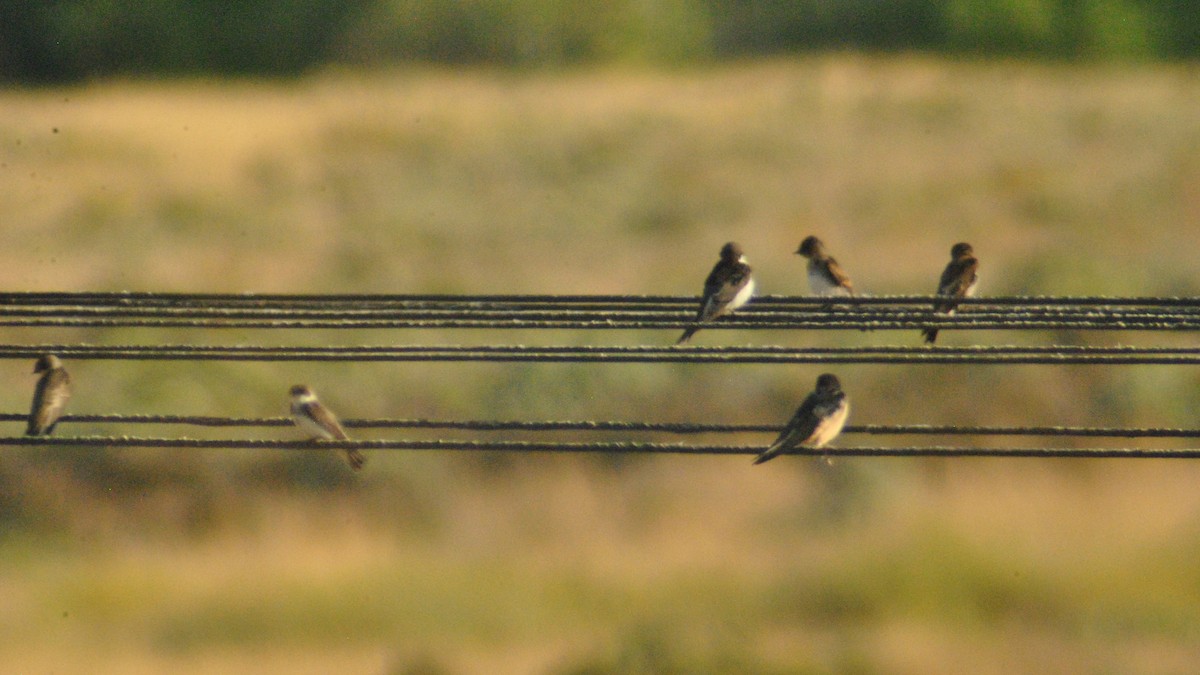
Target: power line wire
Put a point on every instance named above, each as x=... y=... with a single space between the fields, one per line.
x=597 y=447
x=629 y=426
x=540 y=312
x=750 y=321
x=584 y=312
x=1002 y=354
x=136 y=298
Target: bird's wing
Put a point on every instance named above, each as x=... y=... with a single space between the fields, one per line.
x=721 y=287
x=50 y=399
x=839 y=277
x=800 y=428
x=835 y=274
x=956 y=280
x=326 y=419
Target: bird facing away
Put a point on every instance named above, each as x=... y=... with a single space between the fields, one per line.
x=958 y=281
x=728 y=287
x=50 y=397
x=319 y=422
x=825 y=277
x=817 y=421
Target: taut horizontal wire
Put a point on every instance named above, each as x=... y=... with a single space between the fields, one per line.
x=747 y=321
x=1004 y=354
x=147 y=298
x=596 y=447
x=634 y=426
x=775 y=304
x=586 y=312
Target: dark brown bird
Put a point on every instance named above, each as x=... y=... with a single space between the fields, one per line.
x=314 y=418
x=958 y=281
x=50 y=397
x=817 y=421
x=728 y=287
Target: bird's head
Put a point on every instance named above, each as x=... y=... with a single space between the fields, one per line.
x=810 y=247
x=46 y=362
x=961 y=249
x=828 y=383
x=731 y=252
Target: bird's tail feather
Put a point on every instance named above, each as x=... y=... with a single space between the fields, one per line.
x=355 y=458
x=687 y=335
x=769 y=454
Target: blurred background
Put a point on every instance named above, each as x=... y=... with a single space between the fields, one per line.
x=546 y=146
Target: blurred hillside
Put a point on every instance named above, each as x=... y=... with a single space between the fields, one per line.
x=1068 y=179
x=79 y=39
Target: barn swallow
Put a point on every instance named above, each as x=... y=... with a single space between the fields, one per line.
x=50 y=397
x=728 y=287
x=958 y=281
x=315 y=419
x=817 y=421
x=825 y=276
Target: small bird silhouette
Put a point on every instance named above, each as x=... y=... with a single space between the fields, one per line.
x=728 y=287
x=825 y=276
x=314 y=418
x=958 y=281
x=817 y=421
x=50 y=397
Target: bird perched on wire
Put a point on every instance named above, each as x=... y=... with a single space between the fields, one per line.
x=825 y=277
x=314 y=418
x=817 y=421
x=728 y=287
x=958 y=281
x=50 y=397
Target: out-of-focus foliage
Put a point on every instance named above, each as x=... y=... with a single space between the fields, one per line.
x=528 y=31
x=74 y=39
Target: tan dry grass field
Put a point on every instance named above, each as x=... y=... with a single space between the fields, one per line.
x=1068 y=180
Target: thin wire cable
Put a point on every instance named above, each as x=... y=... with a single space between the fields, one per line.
x=750 y=321
x=147 y=298
x=358 y=311
x=683 y=428
x=334 y=302
x=1004 y=354
x=624 y=447
x=586 y=312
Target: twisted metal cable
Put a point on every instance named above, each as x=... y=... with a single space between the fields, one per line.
x=596 y=447
x=682 y=428
x=358 y=311
x=749 y=321
x=1004 y=354
x=584 y=312
x=150 y=298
